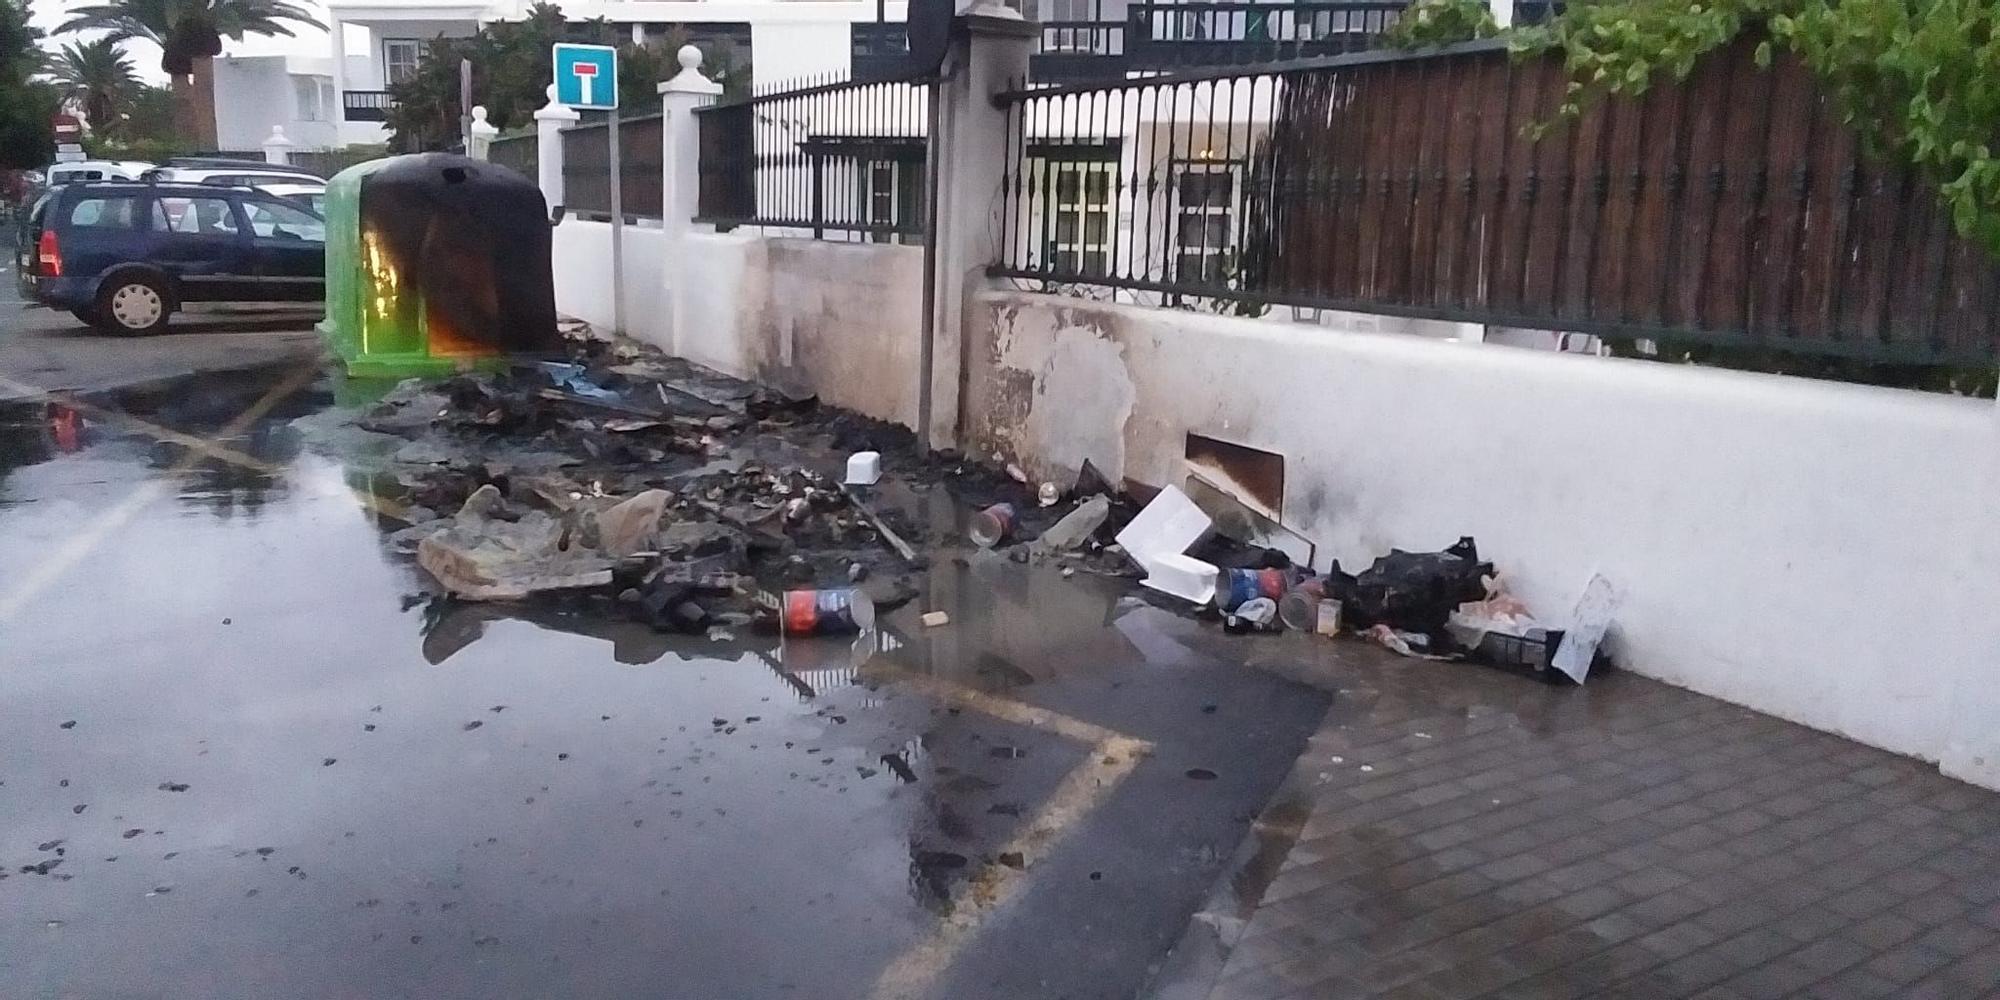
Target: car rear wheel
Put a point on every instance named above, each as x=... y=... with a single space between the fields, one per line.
x=133 y=305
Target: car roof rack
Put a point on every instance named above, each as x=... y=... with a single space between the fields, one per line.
x=227 y=163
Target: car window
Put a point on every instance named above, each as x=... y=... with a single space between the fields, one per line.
x=192 y=215
x=114 y=212
x=282 y=221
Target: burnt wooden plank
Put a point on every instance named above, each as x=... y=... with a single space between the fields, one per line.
x=1541 y=260
x=1482 y=201
x=1456 y=163
x=1509 y=246
x=1825 y=225
x=1427 y=200
x=1620 y=166
x=1586 y=207
x=1652 y=222
x=1728 y=268
x=1704 y=117
x=1779 y=226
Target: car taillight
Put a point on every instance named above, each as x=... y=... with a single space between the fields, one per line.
x=50 y=255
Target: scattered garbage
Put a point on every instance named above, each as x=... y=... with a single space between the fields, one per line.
x=864 y=468
x=1299 y=608
x=1158 y=540
x=1259 y=614
x=823 y=612
x=1327 y=620
x=992 y=526
x=933 y=619
x=1076 y=527
x=1413 y=644
x=1588 y=624
x=632 y=525
x=1235 y=587
x=1048 y=495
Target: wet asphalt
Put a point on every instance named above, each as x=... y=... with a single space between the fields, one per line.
x=248 y=754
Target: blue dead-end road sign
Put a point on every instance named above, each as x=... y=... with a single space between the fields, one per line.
x=587 y=76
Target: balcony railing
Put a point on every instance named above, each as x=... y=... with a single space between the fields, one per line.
x=366 y=105
x=878 y=50
x=1158 y=35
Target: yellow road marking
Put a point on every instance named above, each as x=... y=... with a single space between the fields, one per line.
x=1112 y=756
x=47 y=571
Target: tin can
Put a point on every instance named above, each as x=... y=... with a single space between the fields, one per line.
x=991 y=526
x=818 y=612
x=1328 y=623
x=1234 y=586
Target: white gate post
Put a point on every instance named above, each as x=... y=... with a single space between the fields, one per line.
x=277 y=148
x=479 y=145
x=549 y=123
x=680 y=176
x=985 y=58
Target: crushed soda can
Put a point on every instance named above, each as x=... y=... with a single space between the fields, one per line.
x=820 y=612
x=992 y=526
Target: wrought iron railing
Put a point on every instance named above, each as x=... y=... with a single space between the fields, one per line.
x=1162 y=35
x=836 y=158
x=366 y=105
x=1732 y=209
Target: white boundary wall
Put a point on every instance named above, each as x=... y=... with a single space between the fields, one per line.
x=1814 y=550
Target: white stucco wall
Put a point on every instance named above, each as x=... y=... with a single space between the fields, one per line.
x=838 y=319
x=1815 y=550
x=786 y=51
x=582 y=257
x=253 y=93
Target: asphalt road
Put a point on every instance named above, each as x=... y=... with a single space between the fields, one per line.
x=45 y=349
x=250 y=755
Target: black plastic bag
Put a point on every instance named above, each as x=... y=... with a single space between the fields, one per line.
x=1411 y=591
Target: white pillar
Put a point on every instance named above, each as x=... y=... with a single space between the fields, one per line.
x=338 y=113
x=480 y=144
x=277 y=148
x=987 y=57
x=680 y=175
x=549 y=123
x=1503 y=11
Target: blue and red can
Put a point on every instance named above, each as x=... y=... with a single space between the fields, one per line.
x=819 y=612
x=1234 y=586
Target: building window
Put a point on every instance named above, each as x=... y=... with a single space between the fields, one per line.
x=1078 y=238
x=399 y=59
x=1085 y=30
x=311 y=101
x=1204 y=222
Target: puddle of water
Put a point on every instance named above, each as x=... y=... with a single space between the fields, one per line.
x=751 y=816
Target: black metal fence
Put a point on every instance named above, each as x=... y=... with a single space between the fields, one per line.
x=521 y=153
x=1733 y=208
x=836 y=158
x=587 y=167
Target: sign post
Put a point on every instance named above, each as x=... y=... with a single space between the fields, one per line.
x=587 y=80
x=69 y=138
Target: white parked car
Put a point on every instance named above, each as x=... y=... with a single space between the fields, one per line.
x=312 y=195
x=97 y=170
x=230 y=173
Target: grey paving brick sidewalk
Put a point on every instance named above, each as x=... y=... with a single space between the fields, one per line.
x=1474 y=834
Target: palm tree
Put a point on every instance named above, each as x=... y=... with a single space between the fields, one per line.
x=189 y=34
x=96 y=75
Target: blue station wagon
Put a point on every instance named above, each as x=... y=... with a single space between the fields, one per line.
x=123 y=256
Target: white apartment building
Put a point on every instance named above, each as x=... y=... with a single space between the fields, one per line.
x=783 y=40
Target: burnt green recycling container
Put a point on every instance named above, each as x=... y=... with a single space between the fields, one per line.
x=436 y=262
